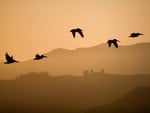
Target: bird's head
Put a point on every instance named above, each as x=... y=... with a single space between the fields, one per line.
x=79 y=29
x=116 y=40
x=44 y=56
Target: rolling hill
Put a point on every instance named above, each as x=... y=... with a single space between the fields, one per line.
x=129 y=59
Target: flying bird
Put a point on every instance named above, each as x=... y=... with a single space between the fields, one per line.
x=133 y=35
x=114 y=42
x=39 y=57
x=9 y=59
x=77 y=30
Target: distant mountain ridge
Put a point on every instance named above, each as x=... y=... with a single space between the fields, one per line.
x=130 y=59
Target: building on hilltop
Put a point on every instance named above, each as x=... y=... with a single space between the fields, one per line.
x=91 y=72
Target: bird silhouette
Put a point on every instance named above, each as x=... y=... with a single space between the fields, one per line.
x=39 y=57
x=133 y=35
x=9 y=59
x=78 y=30
x=114 y=42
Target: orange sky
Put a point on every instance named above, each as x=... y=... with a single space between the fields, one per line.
x=28 y=27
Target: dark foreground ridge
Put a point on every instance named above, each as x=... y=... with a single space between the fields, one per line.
x=41 y=93
x=136 y=101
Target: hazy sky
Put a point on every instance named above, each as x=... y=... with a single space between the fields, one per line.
x=28 y=27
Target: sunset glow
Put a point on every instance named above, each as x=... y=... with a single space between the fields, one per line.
x=39 y=26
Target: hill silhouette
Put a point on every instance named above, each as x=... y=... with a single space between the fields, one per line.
x=42 y=93
x=129 y=59
x=136 y=101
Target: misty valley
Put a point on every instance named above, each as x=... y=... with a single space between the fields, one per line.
x=94 y=92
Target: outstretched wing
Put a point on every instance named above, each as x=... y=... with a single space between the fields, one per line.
x=8 y=58
x=81 y=33
x=109 y=42
x=115 y=44
x=73 y=33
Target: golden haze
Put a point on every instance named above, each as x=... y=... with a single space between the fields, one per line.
x=38 y=26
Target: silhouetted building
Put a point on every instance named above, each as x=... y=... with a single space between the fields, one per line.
x=92 y=73
x=34 y=76
x=102 y=71
x=86 y=72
